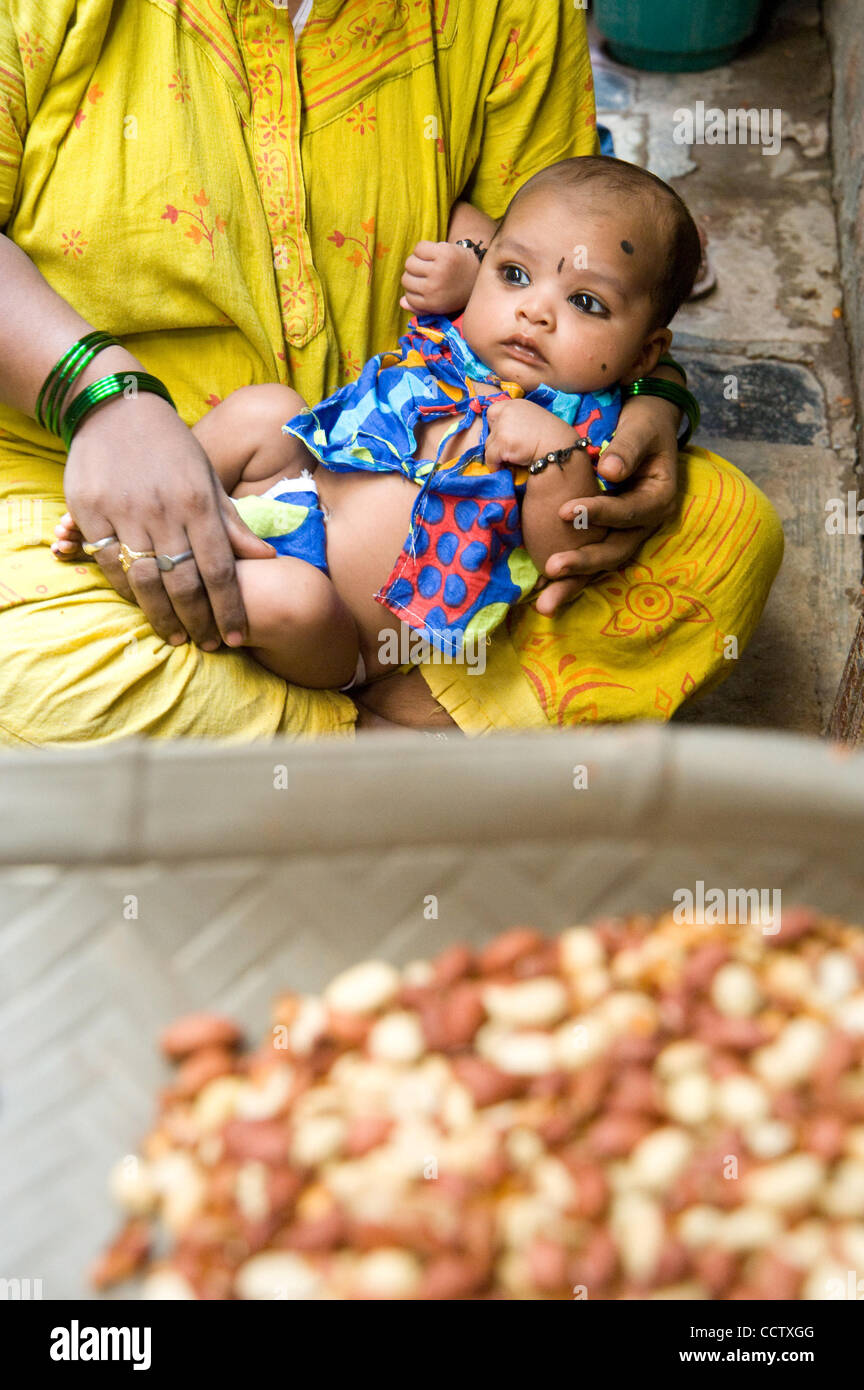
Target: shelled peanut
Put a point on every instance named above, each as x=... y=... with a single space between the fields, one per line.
x=634 y=1109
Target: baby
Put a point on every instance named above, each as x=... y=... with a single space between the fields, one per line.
x=433 y=441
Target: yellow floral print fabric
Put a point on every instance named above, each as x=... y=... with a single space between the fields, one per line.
x=237 y=206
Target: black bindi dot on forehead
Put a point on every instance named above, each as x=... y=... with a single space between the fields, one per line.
x=602 y=366
x=627 y=246
x=560 y=263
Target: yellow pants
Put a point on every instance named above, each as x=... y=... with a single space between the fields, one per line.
x=79 y=664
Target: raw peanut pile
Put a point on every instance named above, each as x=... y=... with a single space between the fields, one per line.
x=634 y=1109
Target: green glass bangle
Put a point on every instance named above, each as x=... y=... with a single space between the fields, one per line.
x=59 y=370
x=668 y=391
x=56 y=385
x=105 y=389
x=54 y=409
x=667 y=361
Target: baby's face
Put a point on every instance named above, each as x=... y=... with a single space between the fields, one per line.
x=571 y=274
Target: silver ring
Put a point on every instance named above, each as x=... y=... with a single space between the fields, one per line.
x=93 y=547
x=168 y=562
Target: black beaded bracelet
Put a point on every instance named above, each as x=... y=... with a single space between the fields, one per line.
x=476 y=246
x=556 y=456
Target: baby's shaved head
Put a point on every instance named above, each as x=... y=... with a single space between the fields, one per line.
x=674 y=224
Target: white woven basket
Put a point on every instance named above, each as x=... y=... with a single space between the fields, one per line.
x=141 y=881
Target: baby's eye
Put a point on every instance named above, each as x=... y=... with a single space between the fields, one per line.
x=511 y=273
x=587 y=304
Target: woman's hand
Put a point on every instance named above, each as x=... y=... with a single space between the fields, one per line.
x=137 y=472
x=438 y=278
x=644 y=449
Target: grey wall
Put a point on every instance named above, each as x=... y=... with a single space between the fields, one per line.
x=844 y=23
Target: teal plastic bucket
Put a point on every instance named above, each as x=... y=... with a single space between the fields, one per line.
x=676 y=35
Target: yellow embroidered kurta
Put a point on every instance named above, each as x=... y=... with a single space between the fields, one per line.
x=238 y=208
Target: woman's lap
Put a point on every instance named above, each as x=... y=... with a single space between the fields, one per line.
x=639 y=642
x=79 y=664
x=89 y=669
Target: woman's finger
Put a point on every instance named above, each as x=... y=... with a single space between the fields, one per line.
x=560 y=591
x=214 y=559
x=244 y=543
x=642 y=505
x=95 y=526
x=632 y=449
x=609 y=554
x=144 y=583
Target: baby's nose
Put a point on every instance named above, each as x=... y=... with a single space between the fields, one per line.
x=538 y=309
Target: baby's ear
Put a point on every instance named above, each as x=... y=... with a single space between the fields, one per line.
x=658 y=341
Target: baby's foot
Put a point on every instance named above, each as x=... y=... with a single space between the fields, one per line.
x=69 y=537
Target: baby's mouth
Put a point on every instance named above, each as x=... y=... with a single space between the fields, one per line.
x=524 y=350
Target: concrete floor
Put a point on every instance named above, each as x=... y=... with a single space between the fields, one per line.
x=775 y=324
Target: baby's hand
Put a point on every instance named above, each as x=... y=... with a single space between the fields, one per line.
x=520 y=431
x=69 y=539
x=439 y=277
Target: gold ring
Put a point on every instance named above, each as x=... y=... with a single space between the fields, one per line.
x=128 y=557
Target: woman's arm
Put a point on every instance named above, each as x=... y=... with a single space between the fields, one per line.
x=644 y=449
x=134 y=471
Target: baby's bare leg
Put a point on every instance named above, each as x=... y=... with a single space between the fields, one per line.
x=298 y=625
x=242 y=437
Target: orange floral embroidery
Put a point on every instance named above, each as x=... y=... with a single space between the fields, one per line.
x=663 y=701
x=651 y=606
x=275 y=108
x=199 y=231
x=94 y=94
x=509 y=173
x=511 y=63
x=567 y=692
x=74 y=243
x=349 y=365
x=362 y=118
x=293 y=296
x=330 y=47
x=273 y=127
x=366 y=30
x=180 y=87
x=280 y=213
x=384 y=31
x=268 y=43
x=270 y=167
x=261 y=82
x=32 y=48
x=362 y=252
